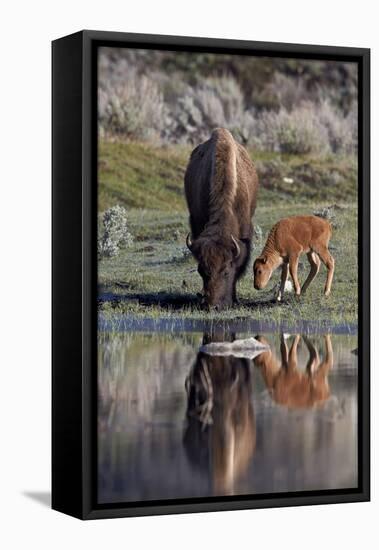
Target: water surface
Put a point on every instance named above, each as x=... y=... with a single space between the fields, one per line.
x=174 y=422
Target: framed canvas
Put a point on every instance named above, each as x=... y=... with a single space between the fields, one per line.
x=211 y=288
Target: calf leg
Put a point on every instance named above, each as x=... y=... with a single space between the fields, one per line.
x=327 y=363
x=283 y=281
x=314 y=359
x=328 y=260
x=314 y=260
x=283 y=351
x=293 y=264
x=320 y=378
x=292 y=358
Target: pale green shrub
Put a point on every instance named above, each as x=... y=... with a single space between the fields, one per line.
x=297 y=131
x=300 y=116
x=342 y=131
x=113 y=232
x=285 y=91
x=216 y=102
x=134 y=109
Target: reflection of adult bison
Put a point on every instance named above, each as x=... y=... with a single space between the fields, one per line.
x=220 y=186
x=220 y=435
x=288 y=385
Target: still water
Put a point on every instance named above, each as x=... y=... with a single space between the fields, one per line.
x=175 y=422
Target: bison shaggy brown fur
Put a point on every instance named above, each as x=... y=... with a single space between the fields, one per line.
x=220 y=187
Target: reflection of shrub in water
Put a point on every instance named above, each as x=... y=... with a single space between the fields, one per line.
x=130 y=375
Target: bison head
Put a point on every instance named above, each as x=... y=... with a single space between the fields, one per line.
x=262 y=272
x=219 y=259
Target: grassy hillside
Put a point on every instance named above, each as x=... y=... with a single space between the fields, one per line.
x=137 y=175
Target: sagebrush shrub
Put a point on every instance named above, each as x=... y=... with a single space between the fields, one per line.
x=134 y=109
x=113 y=232
x=215 y=102
x=162 y=106
x=327 y=212
x=286 y=91
x=342 y=131
x=298 y=131
x=257 y=235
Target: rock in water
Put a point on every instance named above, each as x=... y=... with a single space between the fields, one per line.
x=247 y=348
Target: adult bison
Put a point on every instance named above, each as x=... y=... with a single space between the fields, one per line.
x=221 y=187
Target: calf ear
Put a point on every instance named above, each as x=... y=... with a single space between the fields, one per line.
x=263 y=259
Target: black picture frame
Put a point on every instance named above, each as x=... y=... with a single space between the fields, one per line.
x=74 y=314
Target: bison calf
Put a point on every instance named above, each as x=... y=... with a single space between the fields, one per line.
x=289 y=238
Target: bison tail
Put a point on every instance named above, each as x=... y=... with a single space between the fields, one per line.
x=224 y=172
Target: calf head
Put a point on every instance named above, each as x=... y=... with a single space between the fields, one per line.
x=262 y=272
x=219 y=259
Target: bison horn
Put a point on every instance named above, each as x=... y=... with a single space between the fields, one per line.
x=238 y=249
x=189 y=241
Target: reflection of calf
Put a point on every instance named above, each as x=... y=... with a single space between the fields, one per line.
x=220 y=435
x=291 y=387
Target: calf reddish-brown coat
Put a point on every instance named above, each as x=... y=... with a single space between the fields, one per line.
x=220 y=186
x=292 y=387
x=287 y=240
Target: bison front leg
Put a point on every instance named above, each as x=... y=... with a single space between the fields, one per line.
x=283 y=281
x=234 y=293
x=314 y=262
x=293 y=265
x=328 y=260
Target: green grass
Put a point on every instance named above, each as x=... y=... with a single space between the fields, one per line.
x=137 y=175
x=156 y=277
